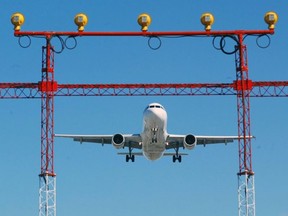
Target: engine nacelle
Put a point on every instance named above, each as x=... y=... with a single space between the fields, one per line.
x=190 y=141
x=118 y=141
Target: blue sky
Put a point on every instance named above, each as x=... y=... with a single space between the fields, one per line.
x=94 y=180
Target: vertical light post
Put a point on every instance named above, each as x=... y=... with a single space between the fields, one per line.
x=246 y=189
x=47 y=177
x=246 y=186
x=47 y=87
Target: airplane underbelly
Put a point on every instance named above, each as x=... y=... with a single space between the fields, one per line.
x=153 y=155
x=153 y=151
x=154 y=135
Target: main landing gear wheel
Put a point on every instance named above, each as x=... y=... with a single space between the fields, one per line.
x=175 y=158
x=132 y=158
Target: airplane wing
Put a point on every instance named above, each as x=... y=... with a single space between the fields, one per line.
x=131 y=140
x=175 y=141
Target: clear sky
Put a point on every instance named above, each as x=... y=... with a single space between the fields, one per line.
x=94 y=180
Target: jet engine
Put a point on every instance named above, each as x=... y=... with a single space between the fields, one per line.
x=190 y=141
x=118 y=141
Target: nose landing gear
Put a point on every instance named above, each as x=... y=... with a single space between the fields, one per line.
x=154 y=135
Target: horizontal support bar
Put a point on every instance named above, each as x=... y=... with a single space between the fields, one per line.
x=145 y=33
x=256 y=89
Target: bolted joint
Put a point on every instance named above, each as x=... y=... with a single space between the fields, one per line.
x=50 y=86
x=46 y=173
x=246 y=172
x=243 y=85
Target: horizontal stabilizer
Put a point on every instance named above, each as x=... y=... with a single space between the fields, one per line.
x=133 y=153
x=171 y=154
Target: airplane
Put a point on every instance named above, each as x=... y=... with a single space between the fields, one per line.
x=154 y=139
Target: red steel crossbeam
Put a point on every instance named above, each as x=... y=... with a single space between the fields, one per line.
x=147 y=33
x=33 y=90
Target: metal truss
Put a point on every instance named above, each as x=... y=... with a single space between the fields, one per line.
x=47 y=190
x=246 y=192
x=32 y=90
x=47 y=195
x=246 y=195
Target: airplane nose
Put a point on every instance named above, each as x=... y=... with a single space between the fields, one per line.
x=150 y=113
x=154 y=114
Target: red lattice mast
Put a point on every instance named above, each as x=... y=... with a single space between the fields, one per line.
x=47 y=177
x=246 y=189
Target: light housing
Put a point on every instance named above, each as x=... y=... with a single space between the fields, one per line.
x=81 y=21
x=144 y=20
x=271 y=19
x=207 y=19
x=17 y=19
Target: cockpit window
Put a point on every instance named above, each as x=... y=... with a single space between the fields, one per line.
x=156 y=106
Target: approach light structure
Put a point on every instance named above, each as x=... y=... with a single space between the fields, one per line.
x=17 y=19
x=144 y=20
x=81 y=21
x=207 y=19
x=271 y=19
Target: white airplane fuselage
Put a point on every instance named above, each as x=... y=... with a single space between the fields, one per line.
x=154 y=133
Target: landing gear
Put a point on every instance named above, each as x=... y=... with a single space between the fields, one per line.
x=154 y=140
x=177 y=157
x=154 y=133
x=130 y=156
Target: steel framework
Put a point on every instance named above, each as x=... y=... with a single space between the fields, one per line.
x=242 y=88
x=246 y=189
x=33 y=90
x=47 y=190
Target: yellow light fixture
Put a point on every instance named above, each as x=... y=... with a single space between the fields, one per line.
x=17 y=19
x=144 y=20
x=81 y=21
x=271 y=19
x=207 y=19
